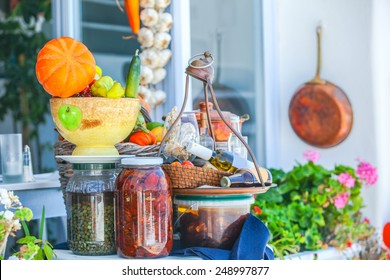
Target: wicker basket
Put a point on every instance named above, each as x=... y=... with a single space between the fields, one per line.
x=65 y=170
x=190 y=177
x=65 y=148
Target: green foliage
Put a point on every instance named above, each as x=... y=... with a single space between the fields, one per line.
x=34 y=248
x=24 y=214
x=19 y=46
x=2 y=231
x=301 y=213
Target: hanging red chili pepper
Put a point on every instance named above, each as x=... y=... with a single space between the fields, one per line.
x=386 y=235
x=132 y=11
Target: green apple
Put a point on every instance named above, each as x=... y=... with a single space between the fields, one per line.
x=70 y=116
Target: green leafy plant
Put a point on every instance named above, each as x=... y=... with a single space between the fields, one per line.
x=283 y=246
x=10 y=217
x=34 y=248
x=314 y=207
x=14 y=217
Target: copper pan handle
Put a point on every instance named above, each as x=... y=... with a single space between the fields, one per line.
x=317 y=79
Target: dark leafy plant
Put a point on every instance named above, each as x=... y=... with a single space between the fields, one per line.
x=314 y=207
x=21 y=39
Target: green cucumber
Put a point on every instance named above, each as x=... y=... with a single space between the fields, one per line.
x=133 y=77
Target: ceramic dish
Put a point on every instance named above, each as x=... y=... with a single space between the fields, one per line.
x=218 y=191
x=94 y=159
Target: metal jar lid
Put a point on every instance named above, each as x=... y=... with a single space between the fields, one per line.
x=140 y=161
x=214 y=201
x=93 y=166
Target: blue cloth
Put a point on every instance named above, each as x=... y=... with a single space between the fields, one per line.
x=250 y=245
x=61 y=246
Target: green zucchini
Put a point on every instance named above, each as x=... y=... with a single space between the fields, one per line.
x=133 y=77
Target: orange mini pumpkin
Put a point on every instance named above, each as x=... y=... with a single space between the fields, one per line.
x=65 y=67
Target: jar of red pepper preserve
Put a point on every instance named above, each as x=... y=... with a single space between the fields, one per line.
x=143 y=202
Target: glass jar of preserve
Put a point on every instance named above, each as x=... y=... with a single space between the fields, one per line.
x=143 y=209
x=90 y=209
x=211 y=221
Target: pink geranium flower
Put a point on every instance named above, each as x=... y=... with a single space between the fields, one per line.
x=341 y=200
x=367 y=173
x=346 y=179
x=311 y=155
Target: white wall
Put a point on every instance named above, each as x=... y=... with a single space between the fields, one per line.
x=381 y=88
x=353 y=49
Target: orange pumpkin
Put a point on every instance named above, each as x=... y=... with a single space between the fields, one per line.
x=65 y=67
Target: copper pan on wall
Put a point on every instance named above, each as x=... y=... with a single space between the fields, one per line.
x=320 y=112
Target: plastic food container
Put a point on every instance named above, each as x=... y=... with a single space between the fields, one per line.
x=143 y=209
x=211 y=221
x=90 y=209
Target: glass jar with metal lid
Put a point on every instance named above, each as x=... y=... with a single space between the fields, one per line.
x=143 y=209
x=90 y=209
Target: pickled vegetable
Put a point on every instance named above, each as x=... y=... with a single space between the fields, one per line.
x=143 y=213
x=207 y=228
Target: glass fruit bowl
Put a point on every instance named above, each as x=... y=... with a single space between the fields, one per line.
x=94 y=124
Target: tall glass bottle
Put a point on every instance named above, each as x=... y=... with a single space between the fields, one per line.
x=204 y=137
x=234 y=143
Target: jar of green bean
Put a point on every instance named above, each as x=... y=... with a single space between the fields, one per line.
x=90 y=209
